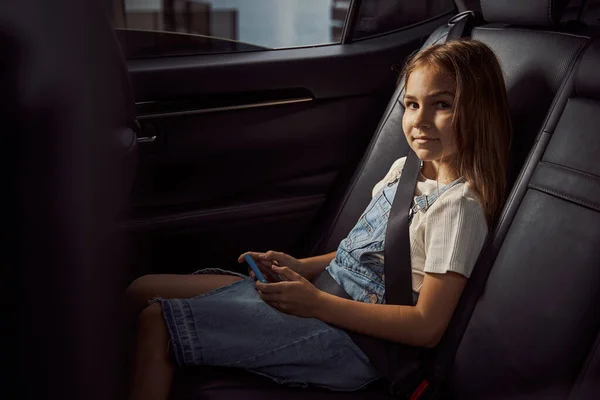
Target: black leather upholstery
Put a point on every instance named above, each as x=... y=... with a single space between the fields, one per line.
x=472 y=5
x=523 y=12
x=537 y=321
x=587 y=83
x=531 y=71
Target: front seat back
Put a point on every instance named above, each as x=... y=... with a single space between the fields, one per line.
x=68 y=139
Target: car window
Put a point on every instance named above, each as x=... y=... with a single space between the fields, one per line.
x=376 y=17
x=162 y=28
x=155 y=28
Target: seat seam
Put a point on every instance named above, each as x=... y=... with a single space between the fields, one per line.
x=570 y=70
x=488 y=28
x=570 y=170
x=565 y=196
x=550 y=12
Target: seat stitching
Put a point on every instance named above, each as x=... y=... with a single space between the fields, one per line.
x=565 y=196
x=570 y=170
x=550 y=11
x=512 y=29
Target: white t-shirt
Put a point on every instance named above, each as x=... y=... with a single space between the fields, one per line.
x=449 y=235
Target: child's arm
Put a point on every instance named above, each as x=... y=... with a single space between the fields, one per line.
x=422 y=325
x=315 y=265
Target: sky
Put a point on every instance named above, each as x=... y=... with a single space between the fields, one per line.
x=270 y=23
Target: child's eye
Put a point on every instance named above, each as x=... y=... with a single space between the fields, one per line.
x=443 y=105
x=412 y=105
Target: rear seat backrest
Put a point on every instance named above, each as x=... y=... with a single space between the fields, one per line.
x=536 y=323
x=535 y=63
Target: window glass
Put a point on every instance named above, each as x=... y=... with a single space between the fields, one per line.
x=381 y=16
x=151 y=28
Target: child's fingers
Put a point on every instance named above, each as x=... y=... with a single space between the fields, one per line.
x=255 y=256
x=287 y=273
x=264 y=263
x=268 y=273
x=266 y=267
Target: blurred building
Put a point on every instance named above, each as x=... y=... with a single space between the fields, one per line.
x=185 y=16
x=339 y=9
x=380 y=16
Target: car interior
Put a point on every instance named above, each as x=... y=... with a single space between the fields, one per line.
x=211 y=155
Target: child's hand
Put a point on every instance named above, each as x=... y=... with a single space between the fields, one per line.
x=295 y=295
x=263 y=264
x=285 y=260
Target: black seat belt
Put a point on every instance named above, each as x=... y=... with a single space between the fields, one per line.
x=399 y=363
x=397 y=262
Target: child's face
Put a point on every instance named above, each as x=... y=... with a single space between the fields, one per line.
x=427 y=121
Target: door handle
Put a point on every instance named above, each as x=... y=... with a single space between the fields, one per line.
x=146 y=139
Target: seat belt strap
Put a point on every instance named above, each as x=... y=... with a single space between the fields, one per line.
x=397 y=262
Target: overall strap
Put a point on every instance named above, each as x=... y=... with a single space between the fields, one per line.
x=423 y=202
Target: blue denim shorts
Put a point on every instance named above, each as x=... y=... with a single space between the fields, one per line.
x=233 y=327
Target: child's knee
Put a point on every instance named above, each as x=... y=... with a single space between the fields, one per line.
x=138 y=294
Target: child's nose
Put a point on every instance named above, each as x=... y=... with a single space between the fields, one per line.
x=422 y=119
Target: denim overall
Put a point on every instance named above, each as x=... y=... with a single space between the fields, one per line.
x=355 y=268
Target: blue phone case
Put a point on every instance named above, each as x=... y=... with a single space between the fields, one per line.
x=252 y=264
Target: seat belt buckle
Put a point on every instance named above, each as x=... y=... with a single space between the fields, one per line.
x=425 y=390
x=420 y=391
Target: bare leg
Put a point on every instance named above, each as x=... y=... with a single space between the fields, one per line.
x=169 y=286
x=153 y=372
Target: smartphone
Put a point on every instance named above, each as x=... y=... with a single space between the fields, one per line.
x=254 y=267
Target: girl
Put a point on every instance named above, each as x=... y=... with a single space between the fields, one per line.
x=457 y=122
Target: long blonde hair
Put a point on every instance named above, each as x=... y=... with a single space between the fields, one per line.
x=481 y=120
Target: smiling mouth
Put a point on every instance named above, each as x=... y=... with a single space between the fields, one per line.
x=423 y=139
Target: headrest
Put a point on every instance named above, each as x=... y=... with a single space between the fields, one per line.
x=587 y=83
x=524 y=12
